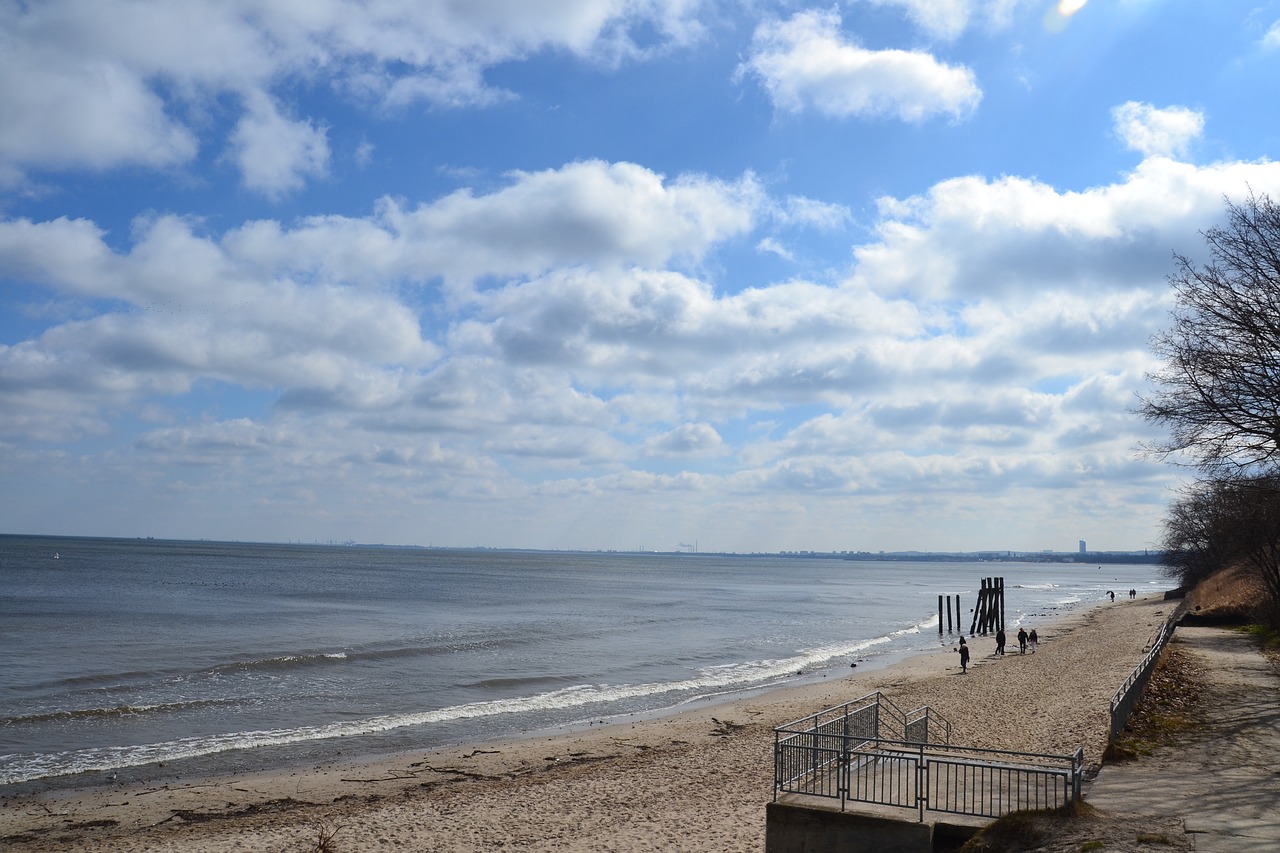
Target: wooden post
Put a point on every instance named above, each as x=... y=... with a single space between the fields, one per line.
x=1001 y=582
x=980 y=610
x=990 y=606
x=940 y=615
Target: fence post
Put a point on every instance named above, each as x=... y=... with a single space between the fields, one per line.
x=922 y=781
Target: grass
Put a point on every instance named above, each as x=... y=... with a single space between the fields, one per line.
x=1269 y=637
x=1153 y=838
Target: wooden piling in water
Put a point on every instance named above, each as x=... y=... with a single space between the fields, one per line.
x=988 y=614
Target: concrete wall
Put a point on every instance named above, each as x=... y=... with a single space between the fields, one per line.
x=804 y=829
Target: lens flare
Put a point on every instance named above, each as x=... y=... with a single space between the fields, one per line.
x=1067 y=8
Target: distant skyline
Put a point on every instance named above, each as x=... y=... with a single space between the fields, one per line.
x=774 y=276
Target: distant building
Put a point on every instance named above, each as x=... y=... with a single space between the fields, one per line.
x=1082 y=548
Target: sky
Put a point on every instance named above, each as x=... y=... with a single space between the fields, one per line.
x=608 y=274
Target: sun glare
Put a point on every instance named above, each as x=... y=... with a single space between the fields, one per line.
x=1067 y=8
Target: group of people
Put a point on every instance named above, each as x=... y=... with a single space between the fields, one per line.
x=1025 y=640
x=1133 y=593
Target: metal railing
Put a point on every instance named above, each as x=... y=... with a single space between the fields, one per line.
x=1127 y=696
x=873 y=716
x=840 y=754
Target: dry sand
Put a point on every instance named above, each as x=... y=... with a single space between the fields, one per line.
x=697 y=781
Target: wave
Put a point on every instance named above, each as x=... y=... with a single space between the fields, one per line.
x=508 y=683
x=309 y=659
x=97 y=679
x=728 y=678
x=280 y=662
x=115 y=711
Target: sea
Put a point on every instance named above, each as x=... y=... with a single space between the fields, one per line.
x=123 y=659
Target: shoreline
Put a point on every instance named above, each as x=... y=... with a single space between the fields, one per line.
x=696 y=779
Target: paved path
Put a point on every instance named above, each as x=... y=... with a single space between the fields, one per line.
x=1222 y=778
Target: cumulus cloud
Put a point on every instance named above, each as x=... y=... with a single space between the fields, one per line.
x=805 y=62
x=590 y=212
x=1155 y=132
x=277 y=155
x=86 y=85
x=62 y=115
x=988 y=325
x=969 y=238
x=687 y=439
x=183 y=309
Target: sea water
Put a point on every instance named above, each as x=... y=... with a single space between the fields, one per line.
x=123 y=656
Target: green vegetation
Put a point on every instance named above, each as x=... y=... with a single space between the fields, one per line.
x=1268 y=636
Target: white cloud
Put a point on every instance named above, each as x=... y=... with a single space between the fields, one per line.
x=182 y=310
x=1155 y=132
x=970 y=238
x=1272 y=38
x=806 y=63
x=83 y=114
x=91 y=85
x=811 y=213
x=591 y=212
x=685 y=440
x=276 y=155
x=773 y=247
x=948 y=19
x=1009 y=371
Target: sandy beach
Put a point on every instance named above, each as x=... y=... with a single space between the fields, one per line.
x=694 y=781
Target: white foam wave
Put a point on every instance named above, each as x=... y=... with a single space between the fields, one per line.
x=710 y=680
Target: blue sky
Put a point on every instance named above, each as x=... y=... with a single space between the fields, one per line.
x=867 y=275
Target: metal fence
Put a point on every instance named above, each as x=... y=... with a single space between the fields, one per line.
x=1130 y=692
x=842 y=753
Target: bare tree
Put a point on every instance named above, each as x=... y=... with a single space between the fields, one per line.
x=1223 y=522
x=1197 y=535
x=1258 y=536
x=1218 y=392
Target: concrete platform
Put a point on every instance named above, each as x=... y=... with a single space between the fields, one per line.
x=1223 y=779
x=798 y=824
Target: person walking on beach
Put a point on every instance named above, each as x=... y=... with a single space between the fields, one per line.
x=1000 y=642
x=1022 y=641
x=964 y=657
x=1033 y=640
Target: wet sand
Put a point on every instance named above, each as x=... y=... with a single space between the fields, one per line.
x=694 y=781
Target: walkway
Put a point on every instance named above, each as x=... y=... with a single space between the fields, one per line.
x=1223 y=779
